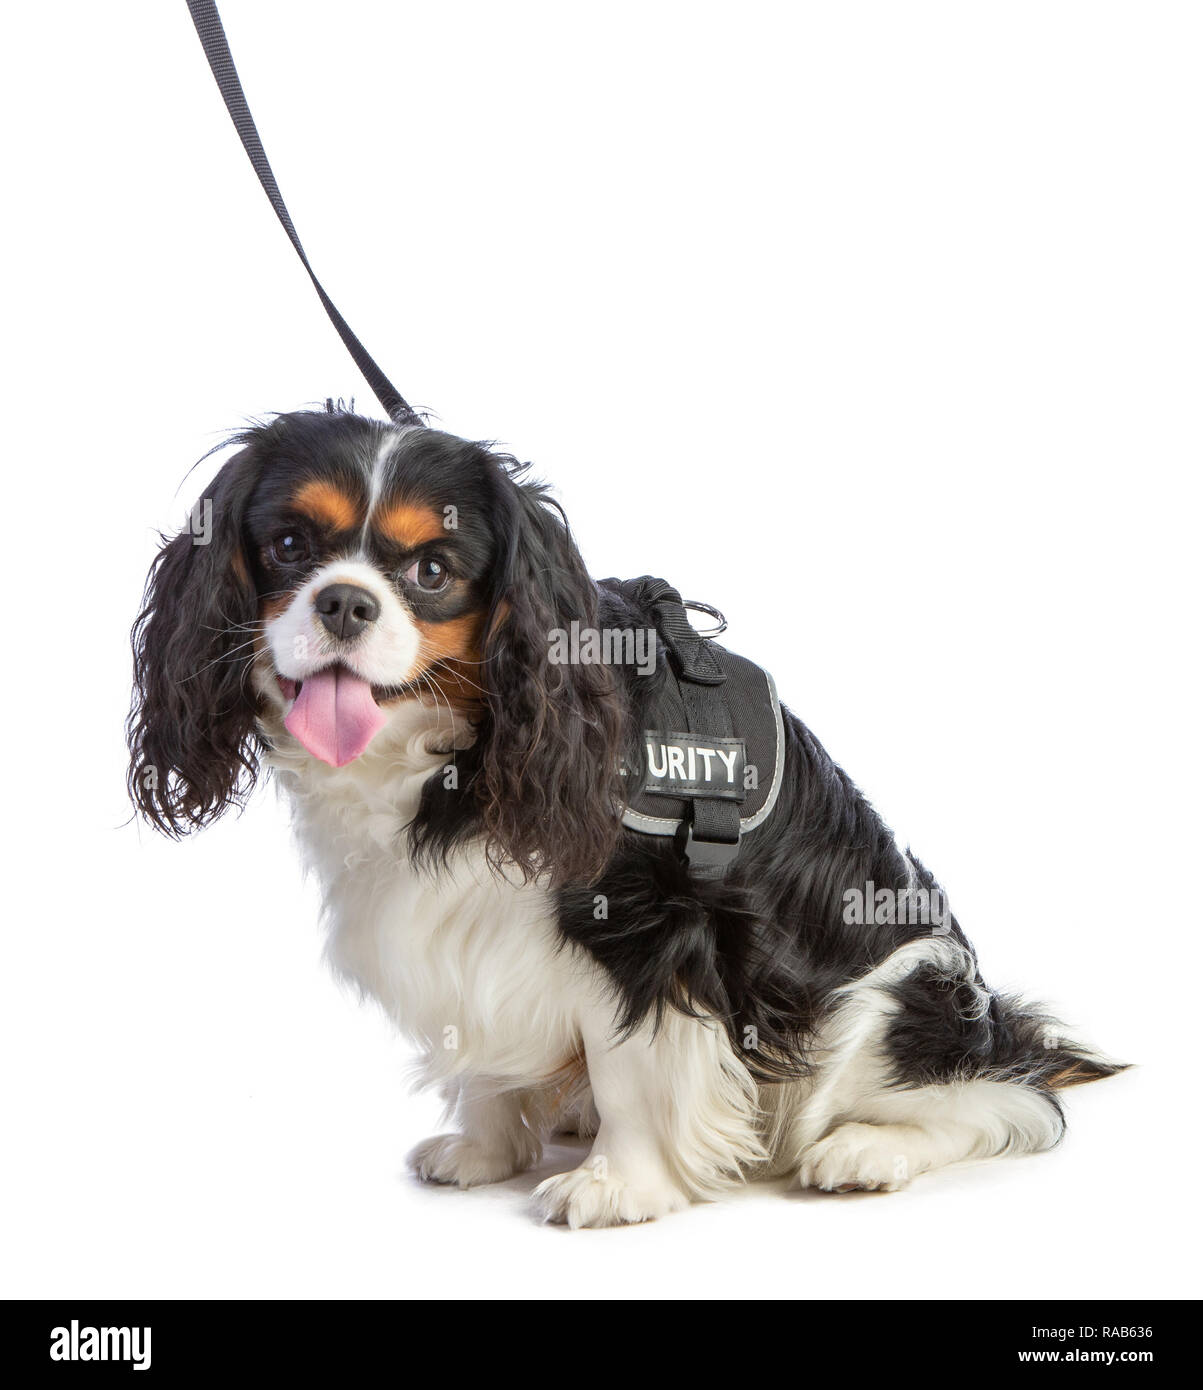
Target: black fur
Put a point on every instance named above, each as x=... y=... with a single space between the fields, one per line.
x=191 y=729
x=543 y=774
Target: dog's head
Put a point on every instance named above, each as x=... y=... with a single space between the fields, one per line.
x=338 y=568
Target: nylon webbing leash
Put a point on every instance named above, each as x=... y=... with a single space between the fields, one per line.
x=217 y=49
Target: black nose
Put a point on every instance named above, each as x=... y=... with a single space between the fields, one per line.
x=346 y=609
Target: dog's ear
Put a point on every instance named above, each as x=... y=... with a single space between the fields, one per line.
x=549 y=784
x=191 y=725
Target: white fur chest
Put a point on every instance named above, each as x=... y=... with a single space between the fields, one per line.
x=466 y=963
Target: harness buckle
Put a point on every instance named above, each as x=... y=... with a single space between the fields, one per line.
x=707 y=855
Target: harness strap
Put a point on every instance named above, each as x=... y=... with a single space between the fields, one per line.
x=709 y=839
x=217 y=49
x=709 y=836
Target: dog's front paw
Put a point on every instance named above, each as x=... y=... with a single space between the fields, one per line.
x=592 y=1196
x=464 y=1162
x=855 y=1158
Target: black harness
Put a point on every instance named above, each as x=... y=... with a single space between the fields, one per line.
x=712 y=743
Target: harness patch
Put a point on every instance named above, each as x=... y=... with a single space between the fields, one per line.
x=705 y=766
x=693 y=765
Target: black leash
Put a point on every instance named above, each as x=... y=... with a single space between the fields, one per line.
x=213 y=39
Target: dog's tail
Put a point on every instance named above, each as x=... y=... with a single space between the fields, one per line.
x=1050 y=1058
x=1077 y=1065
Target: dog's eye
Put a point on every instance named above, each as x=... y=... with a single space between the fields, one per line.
x=290 y=549
x=429 y=574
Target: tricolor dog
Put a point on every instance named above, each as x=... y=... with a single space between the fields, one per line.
x=466 y=804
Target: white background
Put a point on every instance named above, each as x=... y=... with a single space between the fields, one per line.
x=875 y=324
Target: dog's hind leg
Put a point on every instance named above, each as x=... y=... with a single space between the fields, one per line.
x=912 y=1132
x=920 y=1066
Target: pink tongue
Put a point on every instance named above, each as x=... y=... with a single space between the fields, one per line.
x=334 y=716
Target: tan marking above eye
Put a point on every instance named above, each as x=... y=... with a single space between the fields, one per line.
x=409 y=526
x=325 y=503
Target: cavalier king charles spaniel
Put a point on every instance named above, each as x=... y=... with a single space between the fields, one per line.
x=366 y=609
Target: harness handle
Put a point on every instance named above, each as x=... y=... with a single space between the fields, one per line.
x=217 y=49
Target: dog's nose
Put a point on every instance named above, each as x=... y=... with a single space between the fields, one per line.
x=346 y=609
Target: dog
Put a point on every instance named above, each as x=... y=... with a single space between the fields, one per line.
x=367 y=613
